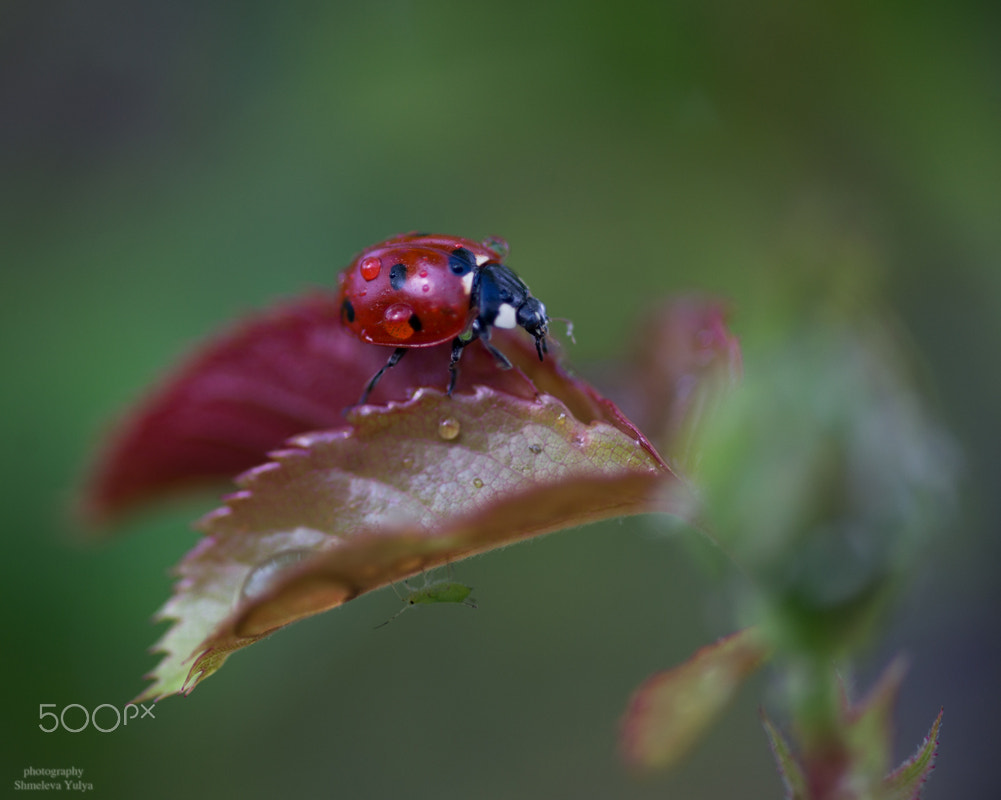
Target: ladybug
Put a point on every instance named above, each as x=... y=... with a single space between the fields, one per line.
x=420 y=290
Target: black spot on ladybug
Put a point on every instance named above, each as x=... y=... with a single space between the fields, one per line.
x=398 y=276
x=415 y=323
x=461 y=261
x=348 y=310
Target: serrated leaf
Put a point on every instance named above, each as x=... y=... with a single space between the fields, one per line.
x=850 y=759
x=793 y=779
x=403 y=489
x=907 y=780
x=671 y=710
x=290 y=370
x=869 y=723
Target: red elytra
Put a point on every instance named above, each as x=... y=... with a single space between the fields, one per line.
x=420 y=290
x=402 y=292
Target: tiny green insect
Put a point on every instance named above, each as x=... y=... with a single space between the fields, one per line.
x=432 y=592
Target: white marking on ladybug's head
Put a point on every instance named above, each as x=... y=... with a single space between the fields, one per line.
x=507 y=317
x=467 y=282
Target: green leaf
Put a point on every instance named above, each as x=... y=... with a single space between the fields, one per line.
x=669 y=713
x=869 y=724
x=907 y=780
x=849 y=760
x=789 y=768
x=405 y=488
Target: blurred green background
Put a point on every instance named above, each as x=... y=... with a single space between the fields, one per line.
x=166 y=168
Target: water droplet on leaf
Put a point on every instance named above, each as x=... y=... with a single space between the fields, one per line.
x=265 y=575
x=449 y=428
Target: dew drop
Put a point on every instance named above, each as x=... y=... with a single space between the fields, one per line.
x=396 y=321
x=498 y=245
x=535 y=448
x=478 y=483
x=370 y=268
x=265 y=575
x=426 y=288
x=449 y=428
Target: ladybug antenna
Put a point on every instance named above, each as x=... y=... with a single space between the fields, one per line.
x=569 y=324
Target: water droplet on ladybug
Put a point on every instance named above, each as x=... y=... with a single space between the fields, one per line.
x=263 y=577
x=498 y=245
x=370 y=268
x=396 y=321
x=423 y=273
x=449 y=428
x=426 y=288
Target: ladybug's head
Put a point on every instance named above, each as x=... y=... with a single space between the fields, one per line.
x=503 y=300
x=532 y=317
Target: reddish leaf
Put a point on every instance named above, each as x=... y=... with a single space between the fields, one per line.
x=670 y=712
x=683 y=360
x=287 y=372
x=405 y=488
x=372 y=497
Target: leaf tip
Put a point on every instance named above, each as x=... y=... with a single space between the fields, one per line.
x=907 y=781
x=790 y=771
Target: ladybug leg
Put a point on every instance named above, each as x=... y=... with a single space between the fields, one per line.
x=484 y=336
x=458 y=344
x=453 y=365
x=394 y=359
x=502 y=360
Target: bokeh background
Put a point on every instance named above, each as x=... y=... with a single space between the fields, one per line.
x=165 y=168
